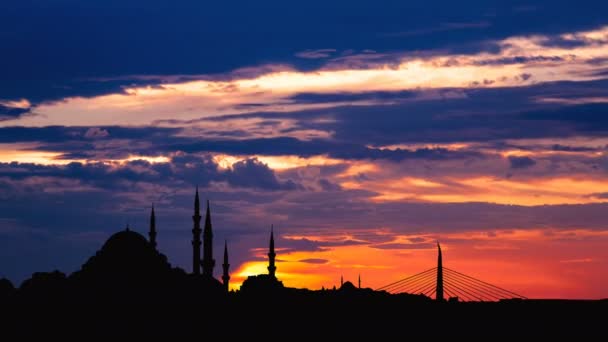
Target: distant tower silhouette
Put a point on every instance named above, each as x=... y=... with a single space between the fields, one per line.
x=226 y=267
x=196 y=236
x=341 y=280
x=359 y=280
x=152 y=232
x=439 y=288
x=271 y=254
x=208 y=261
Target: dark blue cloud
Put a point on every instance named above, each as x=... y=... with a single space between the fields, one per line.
x=306 y=148
x=75 y=143
x=7 y=113
x=487 y=116
x=565 y=148
x=521 y=162
x=587 y=118
x=482 y=115
x=349 y=97
x=326 y=185
x=57 y=134
x=253 y=173
x=51 y=49
x=248 y=173
x=44 y=90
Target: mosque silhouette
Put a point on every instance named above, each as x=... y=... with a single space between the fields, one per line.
x=128 y=260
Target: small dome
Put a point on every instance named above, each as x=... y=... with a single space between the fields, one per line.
x=348 y=286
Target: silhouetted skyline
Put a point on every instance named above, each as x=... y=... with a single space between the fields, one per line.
x=129 y=288
x=127 y=260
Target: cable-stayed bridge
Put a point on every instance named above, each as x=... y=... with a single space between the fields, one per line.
x=441 y=281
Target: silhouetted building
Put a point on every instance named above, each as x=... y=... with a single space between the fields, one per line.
x=347 y=286
x=439 y=287
x=152 y=232
x=208 y=261
x=271 y=255
x=264 y=283
x=359 y=281
x=128 y=268
x=126 y=260
x=196 y=236
x=226 y=267
x=45 y=286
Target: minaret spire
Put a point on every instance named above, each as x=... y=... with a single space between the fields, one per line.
x=439 y=288
x=226 y=267
x=341 y=280
x=196 y=236
x=271 y=254
x=152 y=232
x=359 y=280
x=208 y=261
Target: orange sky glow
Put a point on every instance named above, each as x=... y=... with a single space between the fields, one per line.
x=533 y=263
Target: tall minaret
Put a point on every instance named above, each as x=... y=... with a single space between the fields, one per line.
x=226 y=267
x=152 y=232
x=359 y=280
x=208 y=261
x=439 y=288
x=196 y=236
x=271 y=254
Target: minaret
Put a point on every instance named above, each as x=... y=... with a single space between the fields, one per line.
x=196 y=236
x=271 y=255
x=359 y=280
x=341 y=281
x=208 y=261
x=439 y=288
x=226 y=267
x=152 y=232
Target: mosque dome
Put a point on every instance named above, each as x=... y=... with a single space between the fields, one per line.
x=125 y=256
x=126 y=241
x=348 y=286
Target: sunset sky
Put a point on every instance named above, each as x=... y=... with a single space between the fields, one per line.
x=365 y=131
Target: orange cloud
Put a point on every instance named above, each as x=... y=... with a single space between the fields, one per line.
x=27 y=153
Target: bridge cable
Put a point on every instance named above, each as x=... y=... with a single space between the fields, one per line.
x=402 y=288
x=497 y=292
x=405 y=279
x=505 y=290
x=480 y=292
